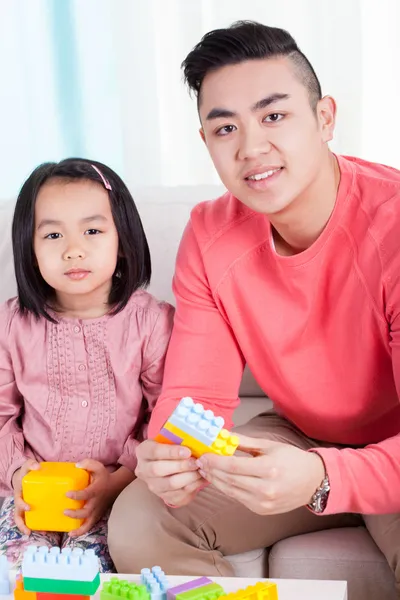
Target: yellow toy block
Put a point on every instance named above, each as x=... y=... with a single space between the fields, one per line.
x=45 y=492
x=263 y=590
x=224 y=445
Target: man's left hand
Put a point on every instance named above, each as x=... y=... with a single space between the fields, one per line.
x=274 y=478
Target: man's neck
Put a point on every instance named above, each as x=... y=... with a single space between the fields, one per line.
x=296 y=228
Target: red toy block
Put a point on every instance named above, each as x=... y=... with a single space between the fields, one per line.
x=48 y=596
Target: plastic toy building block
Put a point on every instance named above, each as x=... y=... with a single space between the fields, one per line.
x=184 y=587
x=171 y=437
x=198 y=429
x=115 y=589
x=45 y=492
x=195 y=420
x=20 y=593
x=48 y=596
x=156 y=582
x=263 y=590
x=4 y=576
x=66 y=564
x=62 y=586
x=225 y=444
x=211 y=591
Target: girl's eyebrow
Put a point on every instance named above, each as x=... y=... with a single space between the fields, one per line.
x=94 y=218
x=45 y=222
x=53 y=222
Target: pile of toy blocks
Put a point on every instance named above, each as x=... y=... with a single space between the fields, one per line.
x=154 y=586
x=54 y=574
x=204 y=588
x=198 y=429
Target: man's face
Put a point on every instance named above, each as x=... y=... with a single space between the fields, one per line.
x=263 y=136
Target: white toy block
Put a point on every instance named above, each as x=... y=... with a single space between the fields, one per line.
x=53 y=563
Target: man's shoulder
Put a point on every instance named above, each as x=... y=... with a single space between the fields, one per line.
x=213 y=219
x=382 y=180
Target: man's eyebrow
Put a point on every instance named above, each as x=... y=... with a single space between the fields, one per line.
x=224 y=113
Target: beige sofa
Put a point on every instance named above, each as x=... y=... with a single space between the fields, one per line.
x=344 y=554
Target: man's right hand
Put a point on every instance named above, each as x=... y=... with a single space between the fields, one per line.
x=20 y=505
x=169 y=472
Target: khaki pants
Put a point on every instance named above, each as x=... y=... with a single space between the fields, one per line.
x=194 y=540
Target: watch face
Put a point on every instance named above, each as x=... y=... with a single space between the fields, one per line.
x=323 y=501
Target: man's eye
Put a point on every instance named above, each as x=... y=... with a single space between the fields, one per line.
x=274 y=118
x=225 y=130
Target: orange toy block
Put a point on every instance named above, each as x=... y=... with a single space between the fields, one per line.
x=20 y=593
x=263 y=590
x=45 y=492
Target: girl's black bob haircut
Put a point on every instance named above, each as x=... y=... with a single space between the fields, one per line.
x=133 y=269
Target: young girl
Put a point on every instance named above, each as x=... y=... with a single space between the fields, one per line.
x=82 y=348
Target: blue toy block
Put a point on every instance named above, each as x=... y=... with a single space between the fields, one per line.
x=66 y=564
x=194 y=419
x=4 y=576
x=156 y=582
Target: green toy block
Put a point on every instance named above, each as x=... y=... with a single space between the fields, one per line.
x=62 y=586
x=212 y=591
x=115 y=589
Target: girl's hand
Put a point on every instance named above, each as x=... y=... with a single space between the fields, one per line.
x=99 y=496
x=20 y=506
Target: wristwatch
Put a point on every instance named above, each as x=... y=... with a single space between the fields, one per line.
x=320 y=498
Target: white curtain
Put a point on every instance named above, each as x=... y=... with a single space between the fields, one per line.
x=102 y=79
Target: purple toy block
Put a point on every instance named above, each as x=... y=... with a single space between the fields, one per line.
x=185 y=587
x=171 y=436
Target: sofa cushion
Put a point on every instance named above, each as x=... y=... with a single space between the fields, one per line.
x=250 y=564
x=347 y=554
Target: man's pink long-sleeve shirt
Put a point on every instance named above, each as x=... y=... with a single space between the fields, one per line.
x=320 y=330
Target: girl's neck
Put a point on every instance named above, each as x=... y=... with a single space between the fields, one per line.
x=83 y=306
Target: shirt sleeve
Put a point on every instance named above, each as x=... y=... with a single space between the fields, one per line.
x=367 y=480
x=204 y=360
x=13 y=449
x=151 y=379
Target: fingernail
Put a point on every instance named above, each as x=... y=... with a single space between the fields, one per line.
x=202 y=462
x=78 y=465
x=184 y=452
x=203 y=474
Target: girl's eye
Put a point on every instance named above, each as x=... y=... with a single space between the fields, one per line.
x=92 y=232
x=52 y=236
x=225 y=130
x=274 y=118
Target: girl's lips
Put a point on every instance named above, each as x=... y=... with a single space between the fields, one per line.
x=77 y=274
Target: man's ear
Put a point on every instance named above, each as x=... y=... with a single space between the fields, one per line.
x=203 y=137
x=327 y=117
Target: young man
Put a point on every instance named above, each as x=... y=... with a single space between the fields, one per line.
x=295 y=271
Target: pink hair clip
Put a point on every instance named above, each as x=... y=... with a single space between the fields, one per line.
x=106 y=183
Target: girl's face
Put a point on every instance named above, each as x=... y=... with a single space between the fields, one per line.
x=75 y=239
